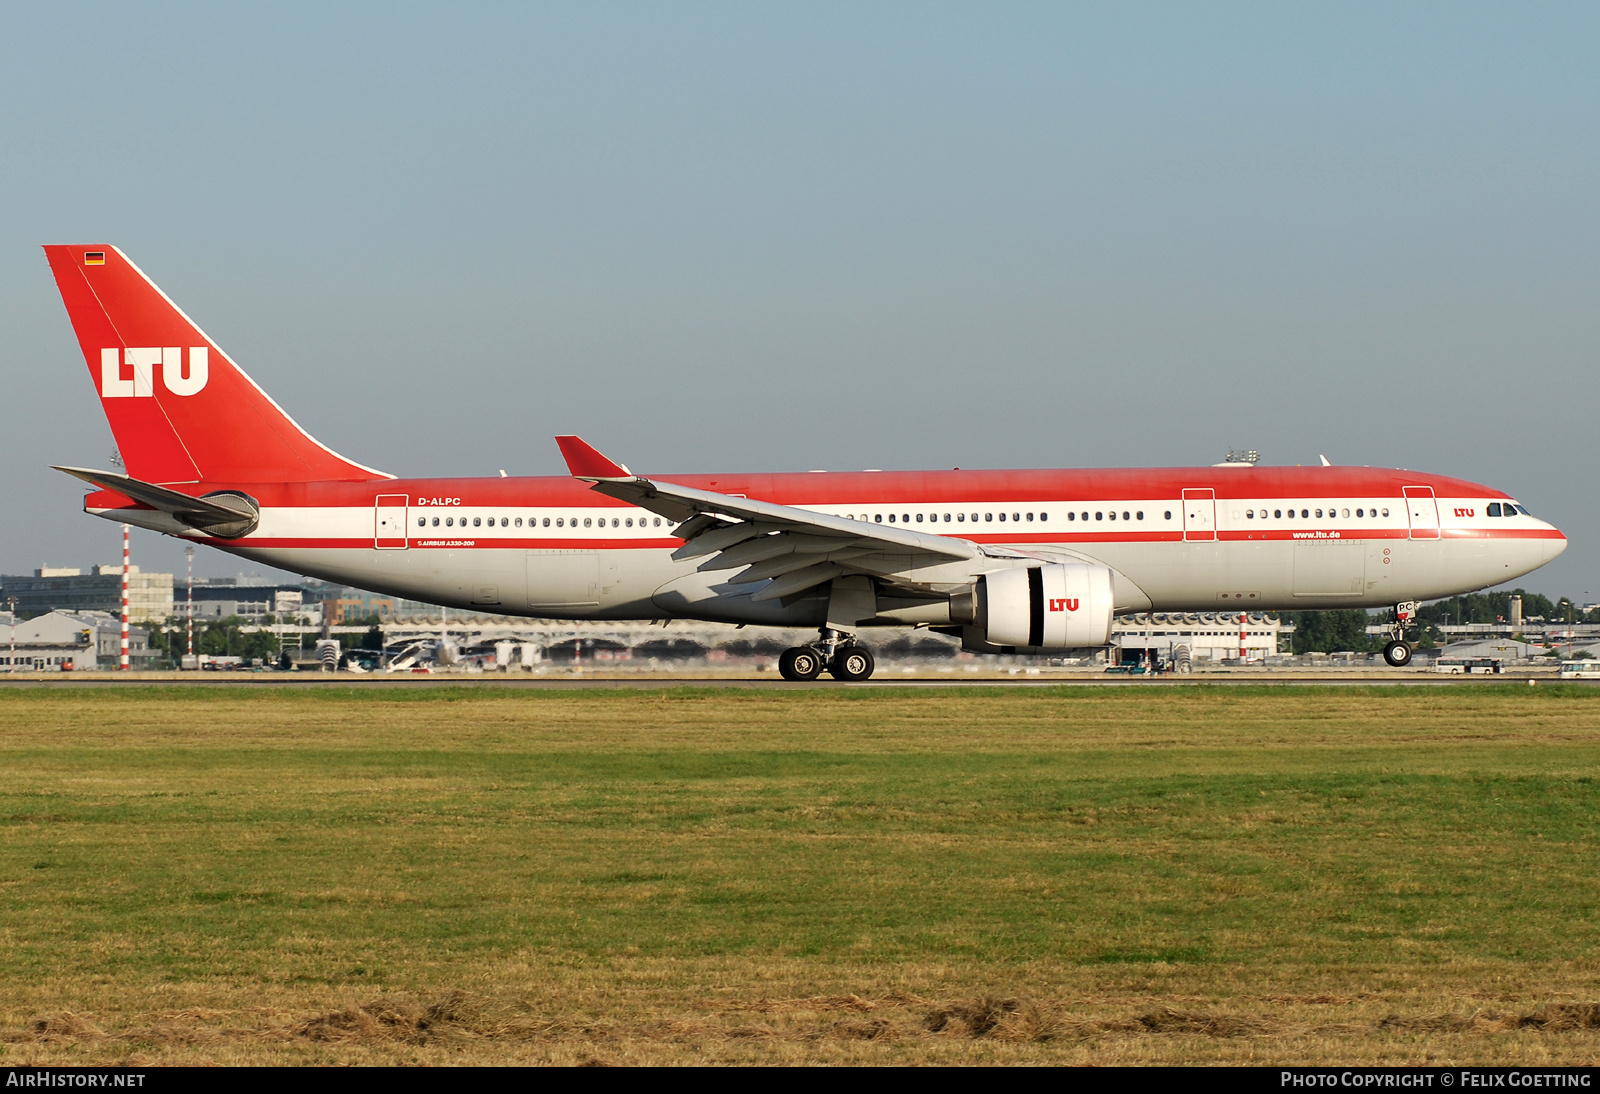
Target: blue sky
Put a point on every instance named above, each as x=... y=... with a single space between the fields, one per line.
x=763 y=237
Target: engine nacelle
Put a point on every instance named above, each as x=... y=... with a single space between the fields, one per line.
x=1057 y=606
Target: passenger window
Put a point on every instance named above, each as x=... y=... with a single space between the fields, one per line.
x=1139 y=514
x=1072 y=516
x=1044 y=517
x=477 y=521
x=891 y=518
x=905 y=518
x=616 y=522
x=1494 y=509
x=436 y=522
x=1305 y=513
x=961 y=518
x=422 y=522
x=658 y=522
x=1016 y=516
x=1100 y=516
x=1002 y=518
x=1361 y=512
x=628 y=523
x=974 y=518
x=1249 y=514
x=1169 y=514
x=987 y=517
x=1124 y=514
x=919 y=518
x=1113 y=514
x=877 y=518
x=1386 y=512
x=1030 y=516
x=1345 y=513
x=1319 y=514
x=449 y=522
x=587 y=521
x=947 y=518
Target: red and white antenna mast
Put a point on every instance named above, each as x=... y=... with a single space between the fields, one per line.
x=189 y=610
x=123 y=663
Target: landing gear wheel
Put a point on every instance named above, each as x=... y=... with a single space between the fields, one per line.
x=1397 y=653
x=800 y=663
x=852 y=663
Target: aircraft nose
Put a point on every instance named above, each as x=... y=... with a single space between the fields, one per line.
x=1555 y=545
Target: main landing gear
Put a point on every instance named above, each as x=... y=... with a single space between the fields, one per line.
x=1397 y=651
x=837 y=652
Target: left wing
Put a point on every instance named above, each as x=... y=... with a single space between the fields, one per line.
x=795 y=549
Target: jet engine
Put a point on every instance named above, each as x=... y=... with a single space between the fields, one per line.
x=1056 y=606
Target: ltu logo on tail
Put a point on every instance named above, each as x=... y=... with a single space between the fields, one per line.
x=1069 y=604
x=142 y=360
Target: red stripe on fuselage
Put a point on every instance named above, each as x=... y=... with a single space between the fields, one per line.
x=1034 y=539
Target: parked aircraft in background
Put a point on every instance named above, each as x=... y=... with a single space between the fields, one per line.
x=1033 y=561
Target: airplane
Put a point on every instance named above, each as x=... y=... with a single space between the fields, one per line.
x=1021 y=561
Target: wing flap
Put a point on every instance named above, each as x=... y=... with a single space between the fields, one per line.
x=798 y=581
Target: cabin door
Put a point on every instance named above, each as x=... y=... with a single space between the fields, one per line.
x=1200 y=514
x=1422 y=510
x=389 y=522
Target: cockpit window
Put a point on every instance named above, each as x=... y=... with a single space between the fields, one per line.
x=1494 y=509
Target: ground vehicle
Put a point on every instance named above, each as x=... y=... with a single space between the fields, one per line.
x=1586 y=669
x=1457 y=666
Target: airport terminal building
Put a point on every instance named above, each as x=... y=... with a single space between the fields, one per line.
x=1200 y=636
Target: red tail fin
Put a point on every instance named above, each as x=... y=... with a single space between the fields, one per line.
x=180 y=409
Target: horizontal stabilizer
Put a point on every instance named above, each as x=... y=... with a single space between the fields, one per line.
x=225 y=514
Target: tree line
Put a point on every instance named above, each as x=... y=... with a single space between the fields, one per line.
x=1346 y=629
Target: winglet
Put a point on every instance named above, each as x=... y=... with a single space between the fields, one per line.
x=585 y=462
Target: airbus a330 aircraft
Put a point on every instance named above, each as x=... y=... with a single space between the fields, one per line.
x=1032 y=562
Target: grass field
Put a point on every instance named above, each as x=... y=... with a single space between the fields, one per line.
x=1175 y=874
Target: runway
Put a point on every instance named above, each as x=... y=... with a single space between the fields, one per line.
x=655 y=681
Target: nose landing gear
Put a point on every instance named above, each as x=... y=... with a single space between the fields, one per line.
x=1397 y=652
